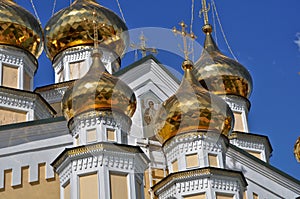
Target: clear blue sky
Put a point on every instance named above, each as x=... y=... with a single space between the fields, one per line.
x=262 y=35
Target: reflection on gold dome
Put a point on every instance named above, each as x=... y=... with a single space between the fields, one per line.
x=19 y=28
x=297 y=149
x=220 y=74
x=192 y=108
x=98 y=91
x=73 y=26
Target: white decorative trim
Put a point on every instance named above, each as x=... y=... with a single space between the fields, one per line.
x=81 y=53
x=248 y=144
x=258 y=172
x=111 y=120
x=201 y=183
x=180 y=146
x=225 y=184
x=25 y=101
x=16 y=57
x=31 y=154
x=54 y=95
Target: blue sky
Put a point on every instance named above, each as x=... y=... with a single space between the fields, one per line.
x=262 y=35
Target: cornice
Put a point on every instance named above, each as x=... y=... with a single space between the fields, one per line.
x=250 y=141
x=97 y=149
x=15 y=98
x=215 y=174
x=264 y=169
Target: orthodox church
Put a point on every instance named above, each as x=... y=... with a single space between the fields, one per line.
x=133 y=133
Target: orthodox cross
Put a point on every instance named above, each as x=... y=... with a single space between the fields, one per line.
x=96 y=28
x=204 y=11
x=142 y=47
x=184 y=36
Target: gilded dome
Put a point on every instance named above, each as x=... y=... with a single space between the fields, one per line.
x=98 y=91
x=20 y=28
x=74 y=26
x=297 y=149
x=192 y=108
x=220 y=74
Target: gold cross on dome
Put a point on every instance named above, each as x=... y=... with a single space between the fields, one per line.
x=204 y=11
x=142 y=47
x=96 y=28
x=184 y=36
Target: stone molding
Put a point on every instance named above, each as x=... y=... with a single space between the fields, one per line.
x=193 y=142
x=25 y=101
x=199 y=181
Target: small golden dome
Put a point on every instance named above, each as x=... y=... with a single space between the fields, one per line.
x=73 y=26
x=297 y=149
x=19 y=28
x=192 y=108
x=98 y=91
x=220 y=74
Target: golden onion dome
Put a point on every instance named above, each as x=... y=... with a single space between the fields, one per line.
x=74 y=26
x=98 y=91
x=220 y=74
x=297 y=149
x=20 y=28
x=192 y=108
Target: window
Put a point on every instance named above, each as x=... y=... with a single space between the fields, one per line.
x=77 y=69
x=118 y=186
x=110 y=133
x=88 y=186
x=192 y=160
x=213 y=160
x=10 y=76
x=91 y=135
x=238 y=122
x=175 y=166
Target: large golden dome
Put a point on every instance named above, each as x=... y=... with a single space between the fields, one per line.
x=220 y=74
x=98 y=92
x=192 y=108
x=73 y=26
x=19 y=28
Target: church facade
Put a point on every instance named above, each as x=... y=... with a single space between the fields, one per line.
x=103 y=132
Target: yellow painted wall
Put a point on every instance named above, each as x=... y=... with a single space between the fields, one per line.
x=255 y=153
x=42 y=189
x=27 y=81
x=197 y=196
x=57 y=107
x=8 y=116
x=223 y=196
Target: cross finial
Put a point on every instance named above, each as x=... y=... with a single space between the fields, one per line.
x=96 y=44
x=184 y=35
x=95 y=37
x=142 y=47
x=204 y=11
